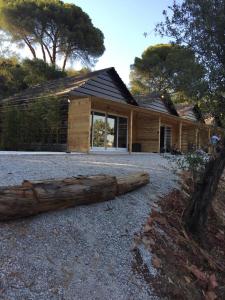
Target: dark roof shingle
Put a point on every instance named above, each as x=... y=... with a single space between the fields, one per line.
x=104 y=83
x=157 y=103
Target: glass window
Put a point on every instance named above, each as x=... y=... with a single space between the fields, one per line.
x=122 y=132
x=165 y=139
x=111 y=127
x=98 y=128
x=108 y=131
x=168 y=139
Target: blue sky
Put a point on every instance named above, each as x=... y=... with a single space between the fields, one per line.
x=123 y=23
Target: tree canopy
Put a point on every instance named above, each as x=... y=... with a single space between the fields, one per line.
x=167 y=68
x=58 y=29
x=16 y=76
x=10 y=76
x=199 y=24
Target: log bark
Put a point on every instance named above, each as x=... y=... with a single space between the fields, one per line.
x=131 y=182
x=32 y=198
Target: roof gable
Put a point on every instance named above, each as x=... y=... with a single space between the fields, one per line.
x=190 y=112
x=156 y=103
x=106 y=84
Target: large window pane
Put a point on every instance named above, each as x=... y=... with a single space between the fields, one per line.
x=168 y=139
x=111 y=138
x=165 y=139
x=98 y=129
x=122 y=132
x=108 y=131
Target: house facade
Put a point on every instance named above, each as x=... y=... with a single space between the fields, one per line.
x=109 y=118
x=102 y=115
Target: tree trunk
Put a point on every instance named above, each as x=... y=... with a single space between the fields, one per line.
x=49 y=53
x=64 y=62
x=54 y=49
x=197 y=213
x=32 y=50
x=43 y=52
x=34 y=198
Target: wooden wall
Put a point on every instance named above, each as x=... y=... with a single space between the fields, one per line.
x=110 y=108
x=204 y=139
x=188 y=138
x=79 y=125
x=146 y=132
x=145 y=129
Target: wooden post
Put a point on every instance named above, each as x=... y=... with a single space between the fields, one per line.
x=159 y=135
x=130 y=131
x=180 y=136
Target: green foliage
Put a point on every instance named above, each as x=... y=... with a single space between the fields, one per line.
x=83 y=71
x=199 y=24
x=37 y=71
x=15 y=76
x=192 y=162
x=58 y=29
x=11 y=77
x=167 y=68
x=38 y=122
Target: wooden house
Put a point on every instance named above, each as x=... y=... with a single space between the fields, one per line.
x=100 y=114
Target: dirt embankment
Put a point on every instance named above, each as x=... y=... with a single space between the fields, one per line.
x=187 y=269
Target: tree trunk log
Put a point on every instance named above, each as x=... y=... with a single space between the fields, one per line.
x=32 y=198
x=131 y=182
x=197 y=213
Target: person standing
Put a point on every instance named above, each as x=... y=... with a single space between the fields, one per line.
x=214 y=142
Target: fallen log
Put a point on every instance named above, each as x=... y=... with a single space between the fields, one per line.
x=131 y=182
x=31 y=198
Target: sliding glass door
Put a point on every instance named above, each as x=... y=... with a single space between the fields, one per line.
x=165 y=138
x=122 y=132
x=98 y=127
x=111 y=132
x=108 y=131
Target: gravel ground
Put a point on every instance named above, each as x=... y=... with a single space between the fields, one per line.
x=83 y=252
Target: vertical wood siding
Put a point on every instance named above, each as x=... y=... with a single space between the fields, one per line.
x=146 y=132
x=188 y=138
x=79 y=125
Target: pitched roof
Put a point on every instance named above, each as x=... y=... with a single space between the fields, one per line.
x=190 y=112
x=157 y=103
x=105 y=83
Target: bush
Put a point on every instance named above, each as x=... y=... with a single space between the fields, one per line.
x=37 y=122
x=193 y=162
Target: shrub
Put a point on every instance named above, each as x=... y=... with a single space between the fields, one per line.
x=36 y=122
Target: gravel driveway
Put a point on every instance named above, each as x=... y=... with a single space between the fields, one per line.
x=83 y=252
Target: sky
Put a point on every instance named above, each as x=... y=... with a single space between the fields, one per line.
x=123 y=23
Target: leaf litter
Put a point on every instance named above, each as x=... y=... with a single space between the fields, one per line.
x=186 y=269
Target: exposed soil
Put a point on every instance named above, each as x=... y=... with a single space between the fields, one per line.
x=187 y=269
